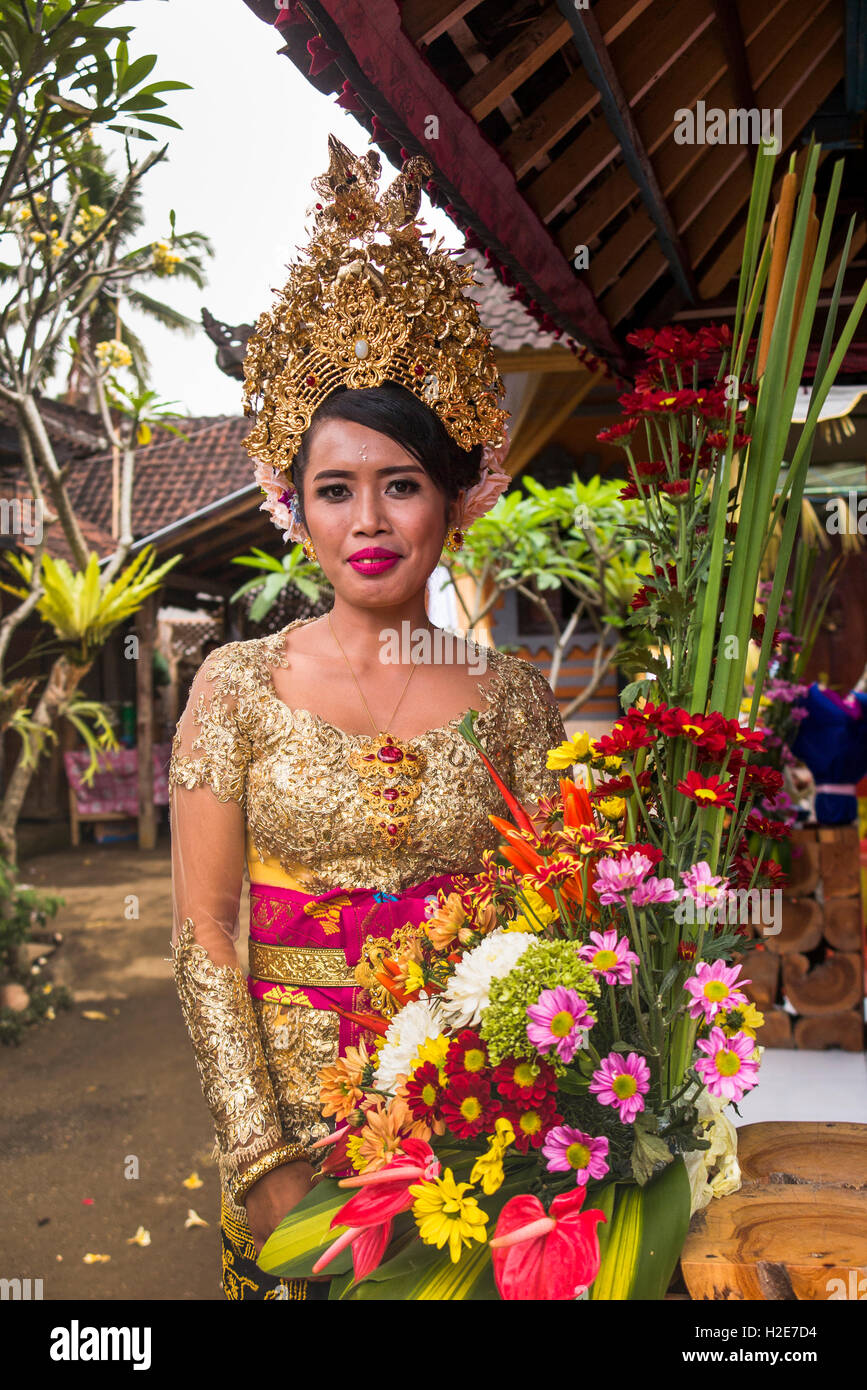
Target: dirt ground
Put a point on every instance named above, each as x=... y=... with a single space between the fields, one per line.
x=81 y=1097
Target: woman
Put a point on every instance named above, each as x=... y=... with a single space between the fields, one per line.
x=340 y=776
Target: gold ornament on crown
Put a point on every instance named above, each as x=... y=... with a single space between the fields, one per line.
x=369 y=302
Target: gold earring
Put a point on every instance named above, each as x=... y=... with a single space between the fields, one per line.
x=310 y=550
x=454 y=538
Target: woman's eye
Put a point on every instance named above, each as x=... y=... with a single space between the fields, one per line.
x=404 y=486
x=333 y=491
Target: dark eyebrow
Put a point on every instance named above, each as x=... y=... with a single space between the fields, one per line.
x=381 y=472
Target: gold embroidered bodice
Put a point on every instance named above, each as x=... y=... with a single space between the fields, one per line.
x=253 y=780
x=303 y=799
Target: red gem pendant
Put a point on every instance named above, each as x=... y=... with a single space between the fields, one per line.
x=390 y=754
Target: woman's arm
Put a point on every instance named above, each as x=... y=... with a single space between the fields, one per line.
x=535 y=726
x=207 y=788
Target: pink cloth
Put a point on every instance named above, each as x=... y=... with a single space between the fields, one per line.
x=114 y=787
x=278 y=918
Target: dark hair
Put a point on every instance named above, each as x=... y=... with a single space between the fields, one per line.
x=397 y=412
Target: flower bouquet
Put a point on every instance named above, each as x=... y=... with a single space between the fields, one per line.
x=558 y=1041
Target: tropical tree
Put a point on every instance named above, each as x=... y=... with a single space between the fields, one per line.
x=576 y=540
x=66 y=224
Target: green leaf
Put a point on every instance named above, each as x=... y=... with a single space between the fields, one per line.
x=649 y=1152
x=644 y=1238
x=572 y=1084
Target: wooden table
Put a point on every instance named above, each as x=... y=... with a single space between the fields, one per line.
x=797 y=1229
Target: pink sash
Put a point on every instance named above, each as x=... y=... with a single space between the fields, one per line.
x=330 y=930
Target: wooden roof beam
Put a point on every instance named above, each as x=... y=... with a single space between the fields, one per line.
x=729 y=24
x=600 y=69
x=573 y=99
x=821 y=79
x=649 y=54
x=701 y=71
x=528 y=51
x=676 y=162
x=425 y=20
x=818 y=76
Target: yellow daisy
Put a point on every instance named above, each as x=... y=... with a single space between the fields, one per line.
x=445 y=1216
x=574 y=750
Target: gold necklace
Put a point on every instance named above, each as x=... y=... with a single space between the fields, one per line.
x=389 y=771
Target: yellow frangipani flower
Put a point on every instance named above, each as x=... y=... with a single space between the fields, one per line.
x=445 y=1216
x=574 y=750
x=488 y=1167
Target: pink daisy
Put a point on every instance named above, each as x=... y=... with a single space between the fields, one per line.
x=622 y=1083
x=609 y=957
x=559 y=1019
x=712 y=989
x=700 y=883
x=655 y=890
x=728 y=1069
x=615 y=877
x=571 y=1150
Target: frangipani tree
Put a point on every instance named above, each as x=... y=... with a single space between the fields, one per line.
x=65 y=263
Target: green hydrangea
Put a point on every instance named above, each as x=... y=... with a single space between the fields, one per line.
x=544 y=965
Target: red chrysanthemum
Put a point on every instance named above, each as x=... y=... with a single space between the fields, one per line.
x=467 y=1055
x=531 y=1123
x=651 y=852
x=624 y=430
x=770 y=829
x=677 y=489
x=424 y=1093
x=467 y=1107
x=525 y=1084
x=753 y=739
x=709 y=732
x=707 y=791
x=767 y=780
x=620 y=786
x=625 y=737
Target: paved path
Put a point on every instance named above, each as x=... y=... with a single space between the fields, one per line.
x=81 y=1096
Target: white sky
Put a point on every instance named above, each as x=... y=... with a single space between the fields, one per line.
x=254 y=136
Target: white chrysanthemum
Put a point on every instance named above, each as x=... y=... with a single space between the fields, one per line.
x=468 y=992
x=410 y=1027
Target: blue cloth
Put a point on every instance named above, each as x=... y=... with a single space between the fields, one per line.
x=832 y=741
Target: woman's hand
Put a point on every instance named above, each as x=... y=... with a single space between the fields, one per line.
x=274 y=1196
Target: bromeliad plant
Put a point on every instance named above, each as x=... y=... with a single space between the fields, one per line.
x=559 y=1039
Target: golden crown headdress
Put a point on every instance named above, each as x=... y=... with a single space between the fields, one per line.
x=368 y=302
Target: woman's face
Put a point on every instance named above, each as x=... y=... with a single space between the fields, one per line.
x=374 y=514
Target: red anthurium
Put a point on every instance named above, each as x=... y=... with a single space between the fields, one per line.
x=369 y=1215
x=539 y=1256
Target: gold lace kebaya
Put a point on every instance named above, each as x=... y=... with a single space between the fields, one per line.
x=281 y=791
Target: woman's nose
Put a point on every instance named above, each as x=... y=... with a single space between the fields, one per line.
x=369 y=516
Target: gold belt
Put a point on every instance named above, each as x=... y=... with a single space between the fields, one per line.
x=322 y=967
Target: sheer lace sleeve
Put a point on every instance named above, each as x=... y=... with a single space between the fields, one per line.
x=535 y=726
x=207 y=787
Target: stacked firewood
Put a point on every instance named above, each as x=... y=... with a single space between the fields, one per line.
x=815 y=964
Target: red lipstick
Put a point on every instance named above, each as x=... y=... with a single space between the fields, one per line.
x=373 y=560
